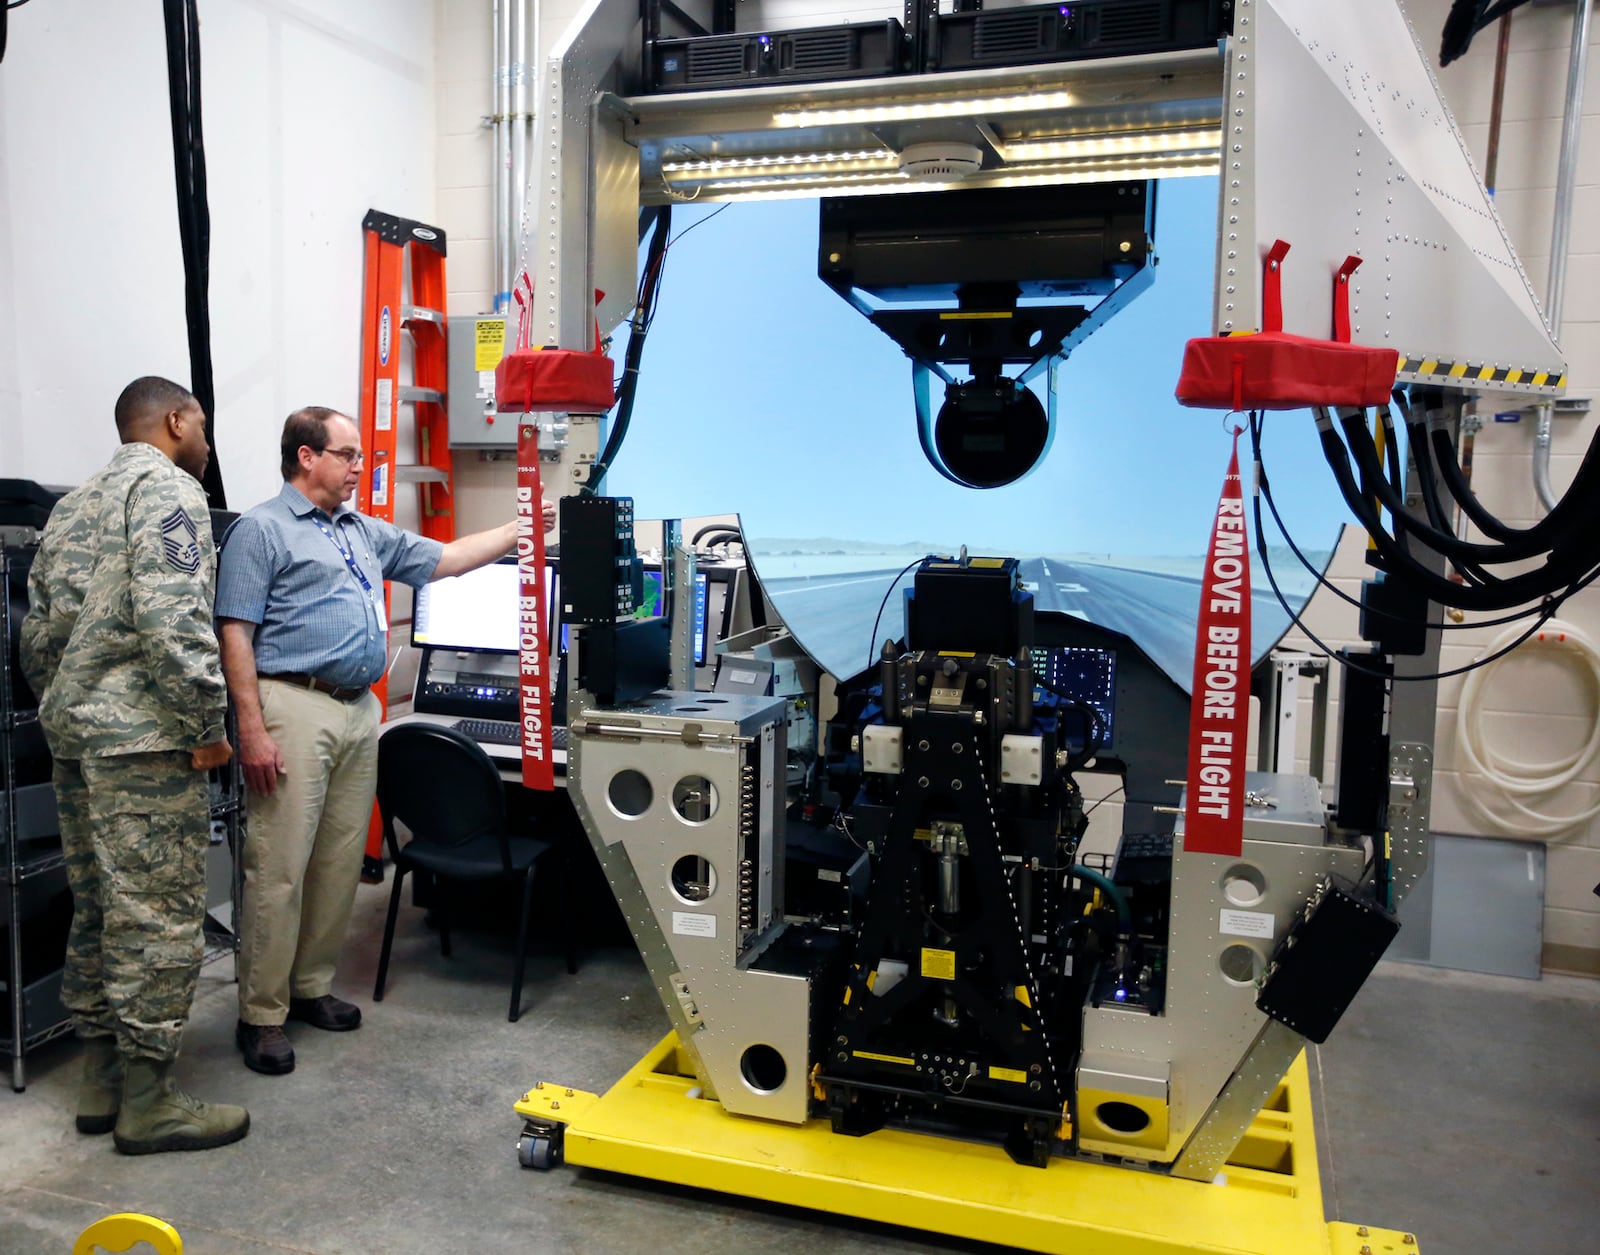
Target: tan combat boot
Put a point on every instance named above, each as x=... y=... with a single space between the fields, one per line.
x=156 y=1115
x=100 y=1087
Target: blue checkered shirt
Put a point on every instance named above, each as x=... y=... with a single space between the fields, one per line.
x=279 y=570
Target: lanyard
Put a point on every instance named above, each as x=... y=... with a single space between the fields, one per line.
x=349 y=558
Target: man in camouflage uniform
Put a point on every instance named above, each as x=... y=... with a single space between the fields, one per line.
x=119 y=644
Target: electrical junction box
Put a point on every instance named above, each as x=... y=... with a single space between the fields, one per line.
x=477 y=343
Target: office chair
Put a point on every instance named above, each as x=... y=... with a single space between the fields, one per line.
x=441 y=785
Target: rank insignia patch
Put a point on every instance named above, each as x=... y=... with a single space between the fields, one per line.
x=178 y=542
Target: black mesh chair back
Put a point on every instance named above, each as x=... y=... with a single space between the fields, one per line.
x=447 y=792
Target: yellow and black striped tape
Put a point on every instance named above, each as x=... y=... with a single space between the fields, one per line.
x=1463 y=372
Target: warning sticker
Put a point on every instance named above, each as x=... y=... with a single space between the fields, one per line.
x=384 y=405
x=490 y=345
x=692 y=924
x=1246 y=924
x=938 y=964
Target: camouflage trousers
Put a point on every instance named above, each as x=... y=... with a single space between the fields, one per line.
x=134 y=828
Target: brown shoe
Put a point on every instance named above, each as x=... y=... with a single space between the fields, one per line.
x=265 y=1047
x=327 y=1012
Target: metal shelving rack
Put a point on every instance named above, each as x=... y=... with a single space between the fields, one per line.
x=32 y=866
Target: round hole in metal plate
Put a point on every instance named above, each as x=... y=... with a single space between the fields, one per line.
x=763 y=1068
x=1122 y=1117
x=690 y=709
x=1244 y=885
x=630 y=793
x=1239 y=964
x=693 y=878
x=694 y=798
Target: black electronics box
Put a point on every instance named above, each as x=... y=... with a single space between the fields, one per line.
x=1074 y=32
x=707 y=62
x=602 y=579
x=626 y=662
x=974 y=607
x=1326 y=956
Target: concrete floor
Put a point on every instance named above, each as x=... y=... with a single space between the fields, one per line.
x=1463 y=1108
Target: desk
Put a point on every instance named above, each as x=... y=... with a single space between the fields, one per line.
x=508 y=758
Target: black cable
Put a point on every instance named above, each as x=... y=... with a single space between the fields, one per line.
x=1097 y=728
x=872 y=649
x=1585 y=485
x=1501 y=595
x=710 y=528
x=1438 y=517
x=1102 y=801
x=1264 y=488
x=1562 y=561
x=1546 y=613
x=1444 y=542
x=194 y=218
x=643 y=315
x=723 y=538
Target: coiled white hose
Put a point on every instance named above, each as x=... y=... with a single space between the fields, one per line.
x=1510 y=779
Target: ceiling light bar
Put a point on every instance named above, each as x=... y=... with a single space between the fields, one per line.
x=767 y=184
x=1027 y=102
x=1131 y=143
x=704 y=168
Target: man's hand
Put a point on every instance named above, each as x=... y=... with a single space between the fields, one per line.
x=213 y=755
x=549 y=515
x=261 y=761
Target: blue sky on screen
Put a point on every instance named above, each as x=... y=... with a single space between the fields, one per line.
x=764 y=394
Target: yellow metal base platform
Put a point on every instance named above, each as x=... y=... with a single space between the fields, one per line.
x=653 y=1124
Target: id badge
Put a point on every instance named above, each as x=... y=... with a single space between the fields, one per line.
x=383 y=613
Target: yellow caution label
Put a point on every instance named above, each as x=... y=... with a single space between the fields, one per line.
x=876 y=1058
x=987 y=564
x=490 y=345
x=1008 y=1074
x=961 y=315
x=957 y=653
x=938 y=964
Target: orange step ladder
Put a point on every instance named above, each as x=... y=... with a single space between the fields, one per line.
x=399 y=250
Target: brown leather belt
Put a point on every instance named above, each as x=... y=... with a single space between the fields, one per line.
x=321 y=686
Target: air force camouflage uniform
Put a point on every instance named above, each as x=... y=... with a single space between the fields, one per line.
x=119 y=642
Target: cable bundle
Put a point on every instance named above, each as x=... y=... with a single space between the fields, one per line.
x=1562 y=543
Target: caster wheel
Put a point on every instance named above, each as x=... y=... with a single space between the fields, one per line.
x=538 y=1151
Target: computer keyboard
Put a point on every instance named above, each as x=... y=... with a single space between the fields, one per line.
x=493 y=731
x=503 y=732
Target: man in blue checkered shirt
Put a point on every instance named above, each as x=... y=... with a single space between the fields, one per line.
x=304 y=635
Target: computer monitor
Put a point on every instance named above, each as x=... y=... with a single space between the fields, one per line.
x=478 y=612
x=651 y=607
x=1085 y=676
x=698 y=633
x=475 y=612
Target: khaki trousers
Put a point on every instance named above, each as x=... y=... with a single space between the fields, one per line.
x=303 y=849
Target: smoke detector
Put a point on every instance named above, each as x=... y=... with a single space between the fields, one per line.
x=941 y=160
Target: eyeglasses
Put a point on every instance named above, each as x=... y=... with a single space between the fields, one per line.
x=350 y=457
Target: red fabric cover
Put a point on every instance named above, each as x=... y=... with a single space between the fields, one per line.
x=1278 y=371
x=554 y=379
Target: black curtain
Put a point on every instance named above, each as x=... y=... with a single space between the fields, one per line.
x=194 y=216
